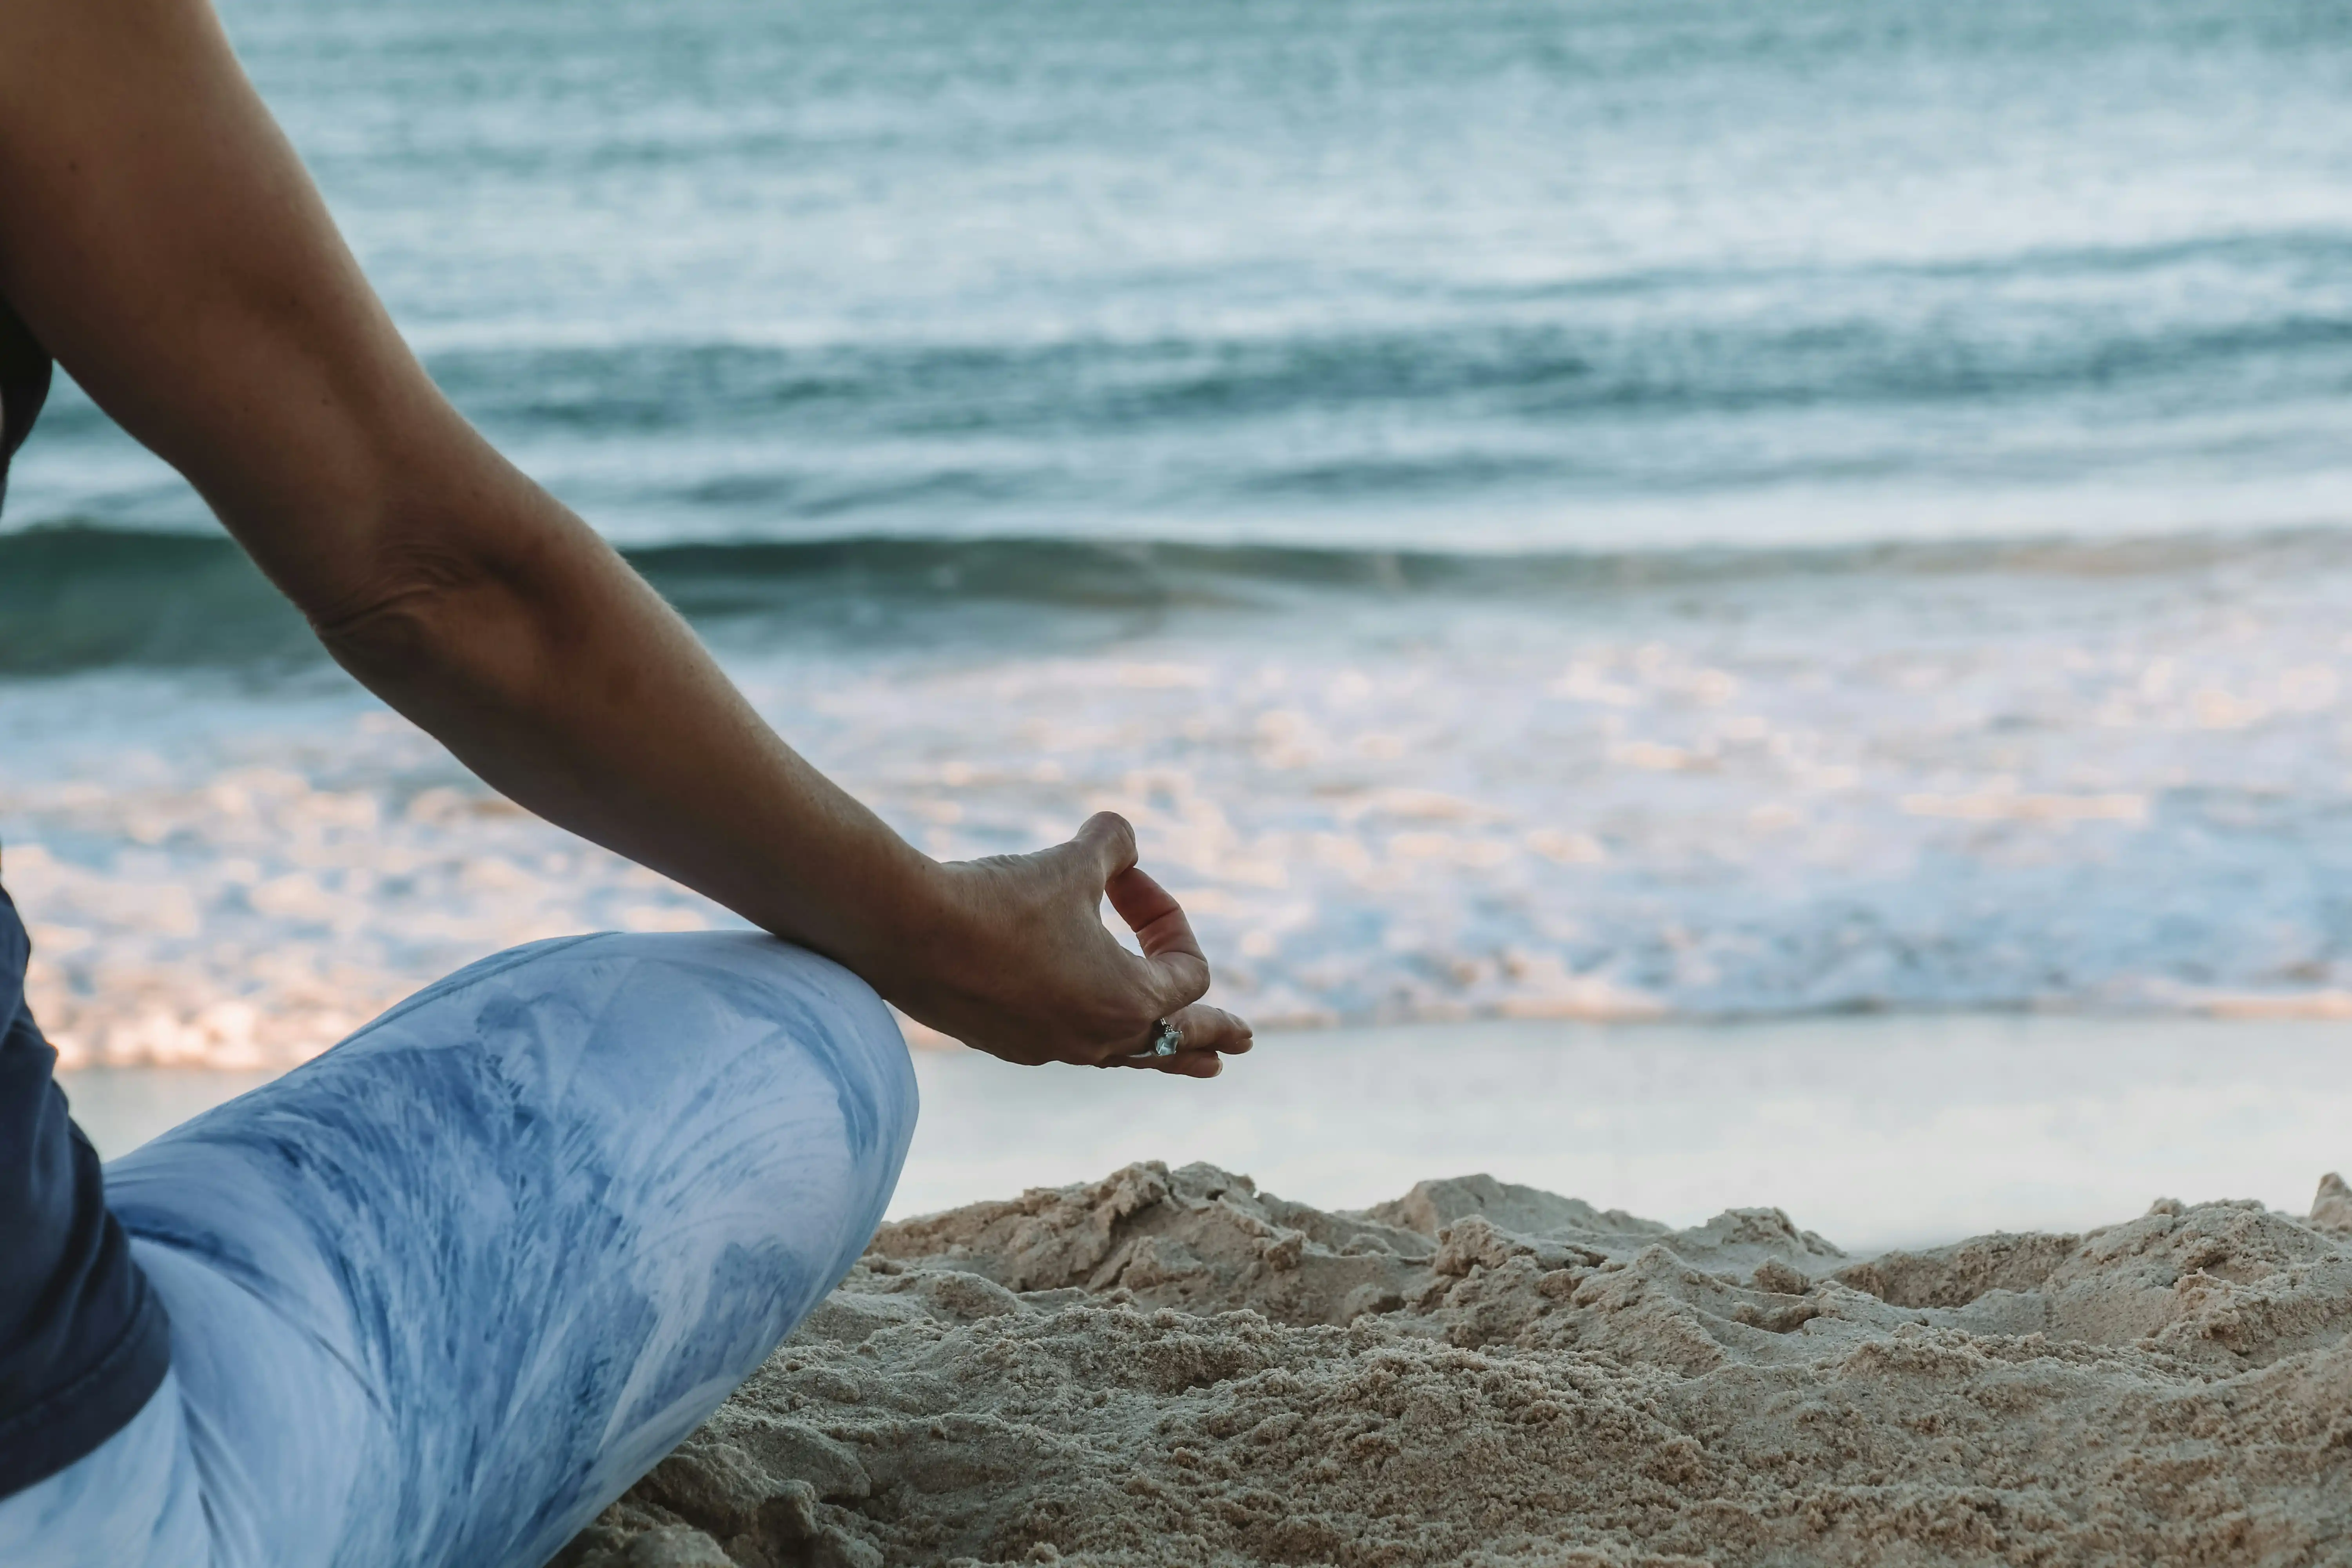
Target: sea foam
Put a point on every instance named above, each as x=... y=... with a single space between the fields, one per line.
x=2085 y=780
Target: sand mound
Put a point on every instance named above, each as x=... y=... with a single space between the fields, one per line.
x=1172 y=1367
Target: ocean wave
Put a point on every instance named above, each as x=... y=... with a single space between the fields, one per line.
x=1750 y=348
x=2218 y=363
x=76 y=597
x=2055 y=774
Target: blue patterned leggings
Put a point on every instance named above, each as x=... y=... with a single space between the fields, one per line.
x=438 y=1296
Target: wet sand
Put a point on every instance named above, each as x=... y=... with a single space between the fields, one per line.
x=1881 y=1131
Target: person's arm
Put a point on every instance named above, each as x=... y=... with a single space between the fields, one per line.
x=162 y=239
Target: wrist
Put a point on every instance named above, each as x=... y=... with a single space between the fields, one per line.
x=905 y=923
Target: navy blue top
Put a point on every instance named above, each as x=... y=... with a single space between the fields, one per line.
x=24 y=388
x=83 y=1340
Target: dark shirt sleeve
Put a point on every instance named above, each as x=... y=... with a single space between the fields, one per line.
x=25 y=371
x=83 y=1340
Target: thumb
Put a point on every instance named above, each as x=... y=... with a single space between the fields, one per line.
x=1107 y=840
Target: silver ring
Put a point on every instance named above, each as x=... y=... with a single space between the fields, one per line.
x=1168 y=1041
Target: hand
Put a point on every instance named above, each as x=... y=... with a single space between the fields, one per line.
x=1013 y=959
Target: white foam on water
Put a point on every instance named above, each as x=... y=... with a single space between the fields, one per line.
x=1795 y=792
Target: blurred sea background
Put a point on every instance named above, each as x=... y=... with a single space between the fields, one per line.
x=1573 y=512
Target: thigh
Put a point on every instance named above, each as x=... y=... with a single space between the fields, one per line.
x=468 y=1274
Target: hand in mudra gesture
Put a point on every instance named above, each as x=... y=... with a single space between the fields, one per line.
x=1019 y=965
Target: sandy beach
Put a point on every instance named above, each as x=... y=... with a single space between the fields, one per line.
x=1167 y=1367
x=2139 y=1358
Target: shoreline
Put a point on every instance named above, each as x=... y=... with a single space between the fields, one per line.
x=1883 y=1130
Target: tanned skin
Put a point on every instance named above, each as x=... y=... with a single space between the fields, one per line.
x=160 y=237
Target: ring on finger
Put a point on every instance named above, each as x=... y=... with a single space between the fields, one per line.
x=1167 y=1040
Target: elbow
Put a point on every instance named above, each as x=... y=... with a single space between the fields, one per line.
x=387 y=636
x=460 y=619
x=403 y=621
x=492 y=607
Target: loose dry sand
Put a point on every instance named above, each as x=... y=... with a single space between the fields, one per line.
x=1174 y=1368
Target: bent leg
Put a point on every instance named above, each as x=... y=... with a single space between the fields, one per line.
x=441 y=1294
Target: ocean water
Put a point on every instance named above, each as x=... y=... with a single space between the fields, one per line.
x=1543 y=510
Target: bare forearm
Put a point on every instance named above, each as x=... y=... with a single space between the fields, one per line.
x=164 y=243
x=550 y=668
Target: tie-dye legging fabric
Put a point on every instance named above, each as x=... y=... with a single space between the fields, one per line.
x=438 y=1296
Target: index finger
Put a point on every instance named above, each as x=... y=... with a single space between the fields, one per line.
x=1166 y=937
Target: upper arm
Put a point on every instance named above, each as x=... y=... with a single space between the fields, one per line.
x=159 y=236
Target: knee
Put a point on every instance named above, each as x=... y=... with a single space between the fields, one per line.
x=803 y=1091
x=639 y=1030
x=781 y=997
